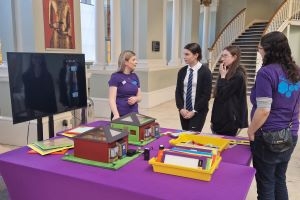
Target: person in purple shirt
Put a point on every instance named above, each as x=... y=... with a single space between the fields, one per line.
x=275 y=104
x=124 y=86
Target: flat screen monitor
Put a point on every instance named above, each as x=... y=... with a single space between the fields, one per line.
x=44 y=84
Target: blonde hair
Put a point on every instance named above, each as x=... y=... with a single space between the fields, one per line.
x=124 y=56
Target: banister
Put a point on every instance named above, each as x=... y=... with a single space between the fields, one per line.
x=271 y=21
x=220 y=33
x=236 y=26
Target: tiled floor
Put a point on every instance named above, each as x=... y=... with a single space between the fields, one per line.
x=167 y=115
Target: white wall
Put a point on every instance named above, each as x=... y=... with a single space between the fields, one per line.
x=261 y=10
x=294 y=41
x=227 y=10
x=155 y=28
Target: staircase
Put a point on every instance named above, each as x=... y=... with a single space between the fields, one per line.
x=248 y=42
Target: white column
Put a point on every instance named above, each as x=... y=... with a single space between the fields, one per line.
x=205 y=33
x=164 y=38
x=115 y=32
x=175 y=60
x=18 y=27
x=136 y=26
x=186 y=25
x=100 y=45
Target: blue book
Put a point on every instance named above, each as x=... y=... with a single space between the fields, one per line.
x=205 y=152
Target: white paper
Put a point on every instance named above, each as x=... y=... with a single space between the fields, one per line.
x=80 y=129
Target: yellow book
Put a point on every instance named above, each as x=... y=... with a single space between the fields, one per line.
x=78 y=130
x=45 y=152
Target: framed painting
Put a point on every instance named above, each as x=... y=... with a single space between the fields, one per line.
x=59 y=24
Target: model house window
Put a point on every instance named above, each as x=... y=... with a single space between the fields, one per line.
x=132 y=132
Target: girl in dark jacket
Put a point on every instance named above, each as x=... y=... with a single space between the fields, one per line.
x=230 y=112
x=193 y=89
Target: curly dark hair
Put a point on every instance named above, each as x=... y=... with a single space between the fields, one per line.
x=277 y=50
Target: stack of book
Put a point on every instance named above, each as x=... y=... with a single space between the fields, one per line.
x=52 y=145
x=78 y=130
x=201 y=157
x=176 y=134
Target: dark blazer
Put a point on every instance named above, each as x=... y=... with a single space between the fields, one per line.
x=203 y=90
x=230 y=105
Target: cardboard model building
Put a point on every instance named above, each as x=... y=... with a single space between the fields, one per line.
x=103 y=144
x=140 y=127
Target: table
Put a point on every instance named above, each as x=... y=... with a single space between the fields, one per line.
x=31 y=177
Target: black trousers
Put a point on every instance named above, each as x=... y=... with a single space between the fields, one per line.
x=196 y=123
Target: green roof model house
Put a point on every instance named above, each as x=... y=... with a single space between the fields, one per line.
x=103 y=144
x=141 y=128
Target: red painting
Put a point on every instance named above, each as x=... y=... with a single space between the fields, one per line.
x=59 y=24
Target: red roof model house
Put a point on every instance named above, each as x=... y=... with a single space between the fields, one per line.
x=141 y=128
x=103 y=144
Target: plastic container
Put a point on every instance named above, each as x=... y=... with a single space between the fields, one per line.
x=219 y=143
x=160 y=153
x=199 y=174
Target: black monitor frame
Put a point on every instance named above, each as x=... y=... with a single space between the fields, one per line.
x=59 y=67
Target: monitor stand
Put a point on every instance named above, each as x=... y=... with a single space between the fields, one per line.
x=40 y=127
x=51 y=126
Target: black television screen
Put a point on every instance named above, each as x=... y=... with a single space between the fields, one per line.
x=44 y=84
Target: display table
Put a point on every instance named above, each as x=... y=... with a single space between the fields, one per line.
x=30 y=177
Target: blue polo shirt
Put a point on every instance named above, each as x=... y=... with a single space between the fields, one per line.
x=127 y=86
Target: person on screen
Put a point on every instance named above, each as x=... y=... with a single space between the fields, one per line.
x=230 y=111
x=72 y=87
x=124 y=86
x=39 y=88
x=193 y=89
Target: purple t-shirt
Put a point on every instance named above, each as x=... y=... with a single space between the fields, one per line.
x=127 y=86
x=271 y=82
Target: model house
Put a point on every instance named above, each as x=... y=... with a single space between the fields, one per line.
x=140 y=127
x=103 y=144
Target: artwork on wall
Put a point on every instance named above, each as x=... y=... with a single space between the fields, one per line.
x=59 y=24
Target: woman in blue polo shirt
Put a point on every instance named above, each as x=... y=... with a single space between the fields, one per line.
x=275 y=104
x=124 y=86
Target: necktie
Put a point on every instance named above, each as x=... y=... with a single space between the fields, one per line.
x=188 y=101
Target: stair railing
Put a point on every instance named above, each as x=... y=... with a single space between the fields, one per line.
x=296 y=8
x=287 y=11
x=229 y=33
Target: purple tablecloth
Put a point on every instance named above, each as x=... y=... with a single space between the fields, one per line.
x=30 y=177
x=34 y=177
